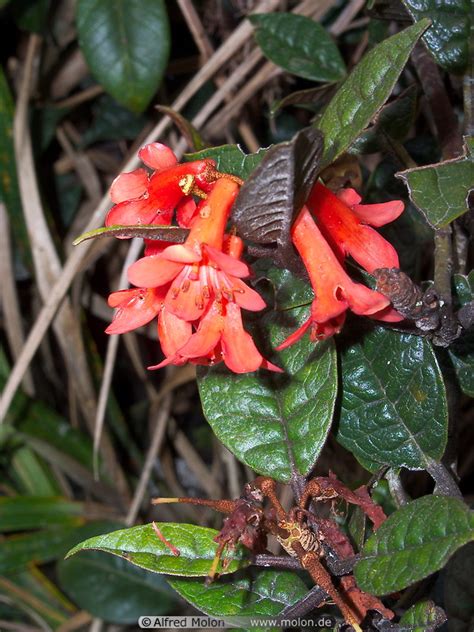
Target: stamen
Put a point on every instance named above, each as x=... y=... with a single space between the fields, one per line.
x=186 y=183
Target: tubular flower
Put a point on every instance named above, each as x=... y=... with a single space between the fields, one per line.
x=344 y=223
x=326 y=230
x=141 y=198
x=199 y=285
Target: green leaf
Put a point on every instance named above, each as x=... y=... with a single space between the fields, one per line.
x=230 y=159
x=394 y=409
x=267 y=594
x=33 y=512
x=299 y=45
x=441 y=190
x=276 y=424
x=394 y=120
x=422 y=617
x=9 y=192
x=111 y=121
x=412 y=543
x=126 y=45
x=142 y=547
x=365 y=91
x=459 y=590
x=44 y=545
x=111 y=589
x=32 y=474
x=448 y=36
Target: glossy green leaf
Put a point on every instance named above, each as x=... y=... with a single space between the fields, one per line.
x=299 y=45
x=112 y=589
x=461 y=351
x=32 y=512
x=267 y=594
x=112 y=121
x=393 y=409
x=394 y=120
x=422 y=617
x=230 y=159
x=441 y=190
x=448 y=36
x=276 y=424
x=459 y=590
x=142 y=547
x=126 y=45
x=412 y=543
x=365 y=91
x=9 y=192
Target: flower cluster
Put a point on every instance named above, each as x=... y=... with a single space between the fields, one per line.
x=196 y=289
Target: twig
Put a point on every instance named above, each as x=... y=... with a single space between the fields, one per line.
x=48 y=266
x=186 y=450
x=156 y=441
x=313 y=599
x=395 y=486
x=10 y=303
x=110 y=356
x=445 y=485
x=80 y=97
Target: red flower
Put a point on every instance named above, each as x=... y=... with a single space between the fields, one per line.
x=141 y=198
x=198 y=284
x=344 y=224
x=340 y=229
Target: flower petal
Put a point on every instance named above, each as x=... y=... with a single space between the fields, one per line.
x=157 y=156
x=349 y=196
x=185 y=211
x=155 y=247
x=226 y=263
x=362 y=300
x=141 y=211
x=388 y=315
x=181 y=254
x=245 y=296
x=129 y=186
x=379 y=214
x=153 y=271
x=239 y=350
x=137 y=307
x=371 y=250
x=185 y=297
x=207 y=335
x=173 y=332
x=342 y=227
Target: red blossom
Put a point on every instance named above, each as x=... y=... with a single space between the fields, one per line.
x=326 y=230
x=142 y=198
x=197 y=292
